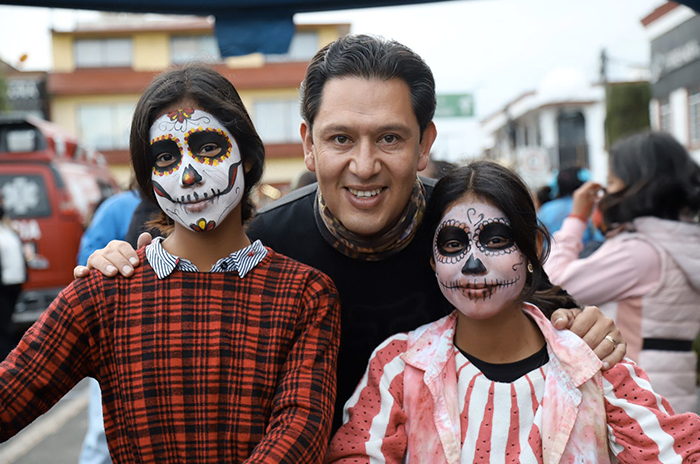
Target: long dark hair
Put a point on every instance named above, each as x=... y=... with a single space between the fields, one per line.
x=213 y=93
x=660 y=177
x=505 y=190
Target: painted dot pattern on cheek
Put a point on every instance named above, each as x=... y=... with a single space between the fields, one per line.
x=160 y=172
x=208 y=160
x=450 y=259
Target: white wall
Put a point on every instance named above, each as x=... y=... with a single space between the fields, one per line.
x=679 y=115
x=595 y=137
x=680 y=124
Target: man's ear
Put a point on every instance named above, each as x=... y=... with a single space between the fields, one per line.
x=426 y=143
x=432 y=263
x=308 y=146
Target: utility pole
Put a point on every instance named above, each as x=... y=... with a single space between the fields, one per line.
x=604 y=81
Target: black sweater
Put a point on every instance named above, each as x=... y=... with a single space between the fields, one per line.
x=378 y=298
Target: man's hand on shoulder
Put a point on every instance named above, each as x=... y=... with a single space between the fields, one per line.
x=118 y=257
x=596 y=329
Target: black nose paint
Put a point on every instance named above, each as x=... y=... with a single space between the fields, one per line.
x=474 y=266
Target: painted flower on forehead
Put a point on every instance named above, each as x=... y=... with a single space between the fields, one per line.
x=479 y=267
x=181 y=114
x=196 y=168
x=180 y=119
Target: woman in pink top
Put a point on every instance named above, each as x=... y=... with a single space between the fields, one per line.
x=647 y=273
x=494 y=380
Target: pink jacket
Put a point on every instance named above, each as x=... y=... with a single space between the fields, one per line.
x=417 y=418
x=648 y=279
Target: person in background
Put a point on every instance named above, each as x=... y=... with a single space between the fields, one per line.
x=542 y=196
x=647 y=272
x=494 y=381
x=437 y=169
x=110 y=221
x=304 y=179
x=553 y=213
x=13 y=274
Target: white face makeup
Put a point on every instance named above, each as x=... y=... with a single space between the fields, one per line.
x=197 y=175
x=479 y=267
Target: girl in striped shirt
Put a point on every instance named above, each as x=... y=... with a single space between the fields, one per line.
x=494 y=381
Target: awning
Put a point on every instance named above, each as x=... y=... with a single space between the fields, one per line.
x=242 y=26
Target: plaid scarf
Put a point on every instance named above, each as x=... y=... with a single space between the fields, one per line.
x=377 y=248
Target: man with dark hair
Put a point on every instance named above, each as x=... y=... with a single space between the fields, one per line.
x=368 y=105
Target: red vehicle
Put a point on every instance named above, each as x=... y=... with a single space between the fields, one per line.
x=50 y=186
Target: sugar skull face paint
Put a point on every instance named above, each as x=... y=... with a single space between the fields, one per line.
x=196 y=168
x=479 y=267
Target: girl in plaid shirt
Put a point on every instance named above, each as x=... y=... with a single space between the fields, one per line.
x=230 y=365
x=494 y=381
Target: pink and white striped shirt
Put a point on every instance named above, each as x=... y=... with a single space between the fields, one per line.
x=422 y=401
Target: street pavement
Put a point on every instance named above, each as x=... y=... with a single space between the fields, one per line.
x=54 y=438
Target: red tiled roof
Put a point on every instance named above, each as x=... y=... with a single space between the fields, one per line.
x=658 y=12
x=125 y=80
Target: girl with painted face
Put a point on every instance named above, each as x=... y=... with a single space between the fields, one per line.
x=494 y=381
x=646 y=275
x=217 y=349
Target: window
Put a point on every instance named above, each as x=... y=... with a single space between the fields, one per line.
x=694 y=104
x=303 y=47
x=277 y=121
x=105 y=127
x=571 y=133
x=526 y=135
x=21 y=140
x=665 y=116
x=103 y=53
x=188 y=48
x=25 y=196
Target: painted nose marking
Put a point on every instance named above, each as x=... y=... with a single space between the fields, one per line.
x=190 y=176
x=474 y=266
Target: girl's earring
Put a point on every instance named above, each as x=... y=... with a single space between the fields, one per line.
x=530 y=269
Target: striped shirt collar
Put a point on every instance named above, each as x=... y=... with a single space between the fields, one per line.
x=242 y=261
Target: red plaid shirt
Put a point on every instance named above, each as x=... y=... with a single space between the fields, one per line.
x=197 y=367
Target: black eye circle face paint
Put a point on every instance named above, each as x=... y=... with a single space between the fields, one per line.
x=165 y=156
x=494 y=237
x=478 y=266
x=208 y=146
x=452 y=242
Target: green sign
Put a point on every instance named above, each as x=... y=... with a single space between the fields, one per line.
x=455 y=106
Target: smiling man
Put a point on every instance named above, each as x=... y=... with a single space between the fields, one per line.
x=367 y=105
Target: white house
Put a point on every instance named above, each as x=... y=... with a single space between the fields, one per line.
x=559 y=125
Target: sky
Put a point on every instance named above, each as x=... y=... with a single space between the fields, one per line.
x=493 y=49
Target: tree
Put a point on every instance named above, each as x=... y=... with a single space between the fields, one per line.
x=627 y=109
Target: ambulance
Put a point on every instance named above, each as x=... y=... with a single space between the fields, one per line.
x=50 y=186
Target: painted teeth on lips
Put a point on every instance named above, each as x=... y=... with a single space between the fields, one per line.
x=365 y=193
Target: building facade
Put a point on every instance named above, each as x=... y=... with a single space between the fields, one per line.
x=544 y=131
x=25 y=92
x=100 y=70
x=674 y=35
